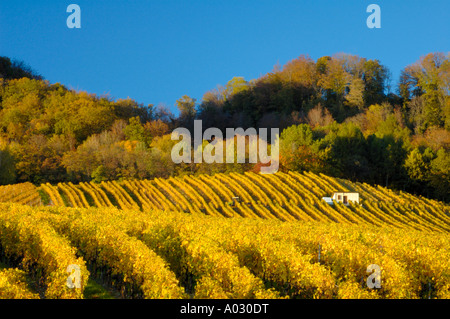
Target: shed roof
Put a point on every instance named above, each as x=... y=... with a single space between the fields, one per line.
x=346 y=193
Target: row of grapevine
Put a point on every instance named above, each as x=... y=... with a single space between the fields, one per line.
x=205 y=190
x=10 y=192
x=349 y=259
x=286 y=196
x=167 y=254
x=122 y=198
x=134 y=268
x=155 y=195
x=176 y=197
x=42 y=251
x=139 y=193
x=24 y=193
x=425 y=258
x=421 y=262
x=98 y=201
x=206 y=270
x=13 y=285
x=277 y=263
x=31 y=198
x=54 y=195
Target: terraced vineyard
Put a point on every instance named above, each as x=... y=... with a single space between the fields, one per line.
x=285 y=196
x=186 y=238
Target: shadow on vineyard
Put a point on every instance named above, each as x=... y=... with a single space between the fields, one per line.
x=103 y=284
x=96 y=289
x=31 y=275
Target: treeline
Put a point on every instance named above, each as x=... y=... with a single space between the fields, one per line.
x=343 y=116
x=340 y=115
x=345 y=85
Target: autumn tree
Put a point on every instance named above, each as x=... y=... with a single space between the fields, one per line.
x=156 y=128
x=319 y=116
x=186 y=106
x=424 y=86
x=236 y=85
x=335 y=81
x=355 y=97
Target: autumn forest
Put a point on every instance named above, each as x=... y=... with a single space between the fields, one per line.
x=341 y=115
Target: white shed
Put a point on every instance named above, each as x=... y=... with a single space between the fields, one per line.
x=328 y=200
x=346 y=197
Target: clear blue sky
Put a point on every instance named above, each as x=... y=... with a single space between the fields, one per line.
x=155 y=51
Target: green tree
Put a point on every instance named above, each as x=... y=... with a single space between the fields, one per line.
x=99 y=174
x=295 y=150
x=128 y=108
x=295 y=136
x=440 y=174
x=417 y=164
x=374 y=77
x=135 y=131
x=346 y=149
x=235 y=86
x=7 y=168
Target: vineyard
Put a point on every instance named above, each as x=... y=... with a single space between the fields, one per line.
x=284 y=196
x=221 y=236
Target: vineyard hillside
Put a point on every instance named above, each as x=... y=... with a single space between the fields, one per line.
x=284 y=196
